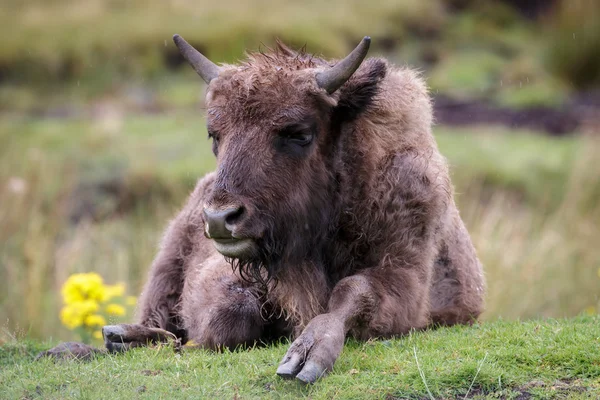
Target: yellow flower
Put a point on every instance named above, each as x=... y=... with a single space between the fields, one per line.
x=112 y=291
x=70 y=290
x=83 y=294
x=95 y=320
x=93 y=287
x=131 y=301
x=83 y=286
x=115 y=309
x=71 y=317
x=97 y=334
x=71 y=294
x=87 y=307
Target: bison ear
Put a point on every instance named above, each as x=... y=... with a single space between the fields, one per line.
x=360 y=90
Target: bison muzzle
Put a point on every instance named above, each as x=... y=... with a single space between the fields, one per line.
x=330 y=214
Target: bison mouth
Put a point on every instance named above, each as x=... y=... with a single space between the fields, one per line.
x=236 y=248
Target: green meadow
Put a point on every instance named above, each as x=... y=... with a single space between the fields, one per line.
x=537 y=359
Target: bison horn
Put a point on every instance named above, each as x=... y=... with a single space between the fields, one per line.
x=332 y=79
x=203 y=66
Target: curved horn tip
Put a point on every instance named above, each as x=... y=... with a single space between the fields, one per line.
x=202 y=65
x=180 y=42
x=332 y=79
x=365 y=42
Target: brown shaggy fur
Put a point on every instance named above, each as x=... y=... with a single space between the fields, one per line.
x=355 y=232
x=365 y=216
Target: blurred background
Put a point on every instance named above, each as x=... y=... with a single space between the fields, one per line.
x=102 y=133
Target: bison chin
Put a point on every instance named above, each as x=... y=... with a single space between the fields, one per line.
x=236 y=248
x=257 y=260
x=260 y=260
x=259 y=268
x=274 y=241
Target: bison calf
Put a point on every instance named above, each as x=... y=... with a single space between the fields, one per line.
x=330 y=214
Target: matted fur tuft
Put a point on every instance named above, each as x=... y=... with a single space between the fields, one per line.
x=282 y=58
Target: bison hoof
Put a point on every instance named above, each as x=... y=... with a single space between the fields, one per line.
x=70 y=351
x=314 y=352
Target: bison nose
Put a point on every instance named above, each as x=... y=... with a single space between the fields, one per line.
x=219 y=224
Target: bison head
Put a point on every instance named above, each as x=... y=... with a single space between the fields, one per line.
x=275 y=121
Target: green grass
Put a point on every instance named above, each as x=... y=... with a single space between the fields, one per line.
x=548 y=359
x=467 y=74
x=534 y=167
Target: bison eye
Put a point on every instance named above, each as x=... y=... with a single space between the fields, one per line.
x=295 y=137
x=299 y=138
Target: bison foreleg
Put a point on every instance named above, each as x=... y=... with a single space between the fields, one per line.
x=375 y=303
x=119 y=338
x=315 y=351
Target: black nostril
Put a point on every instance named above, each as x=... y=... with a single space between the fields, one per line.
x=220 y=223
x=234 y=216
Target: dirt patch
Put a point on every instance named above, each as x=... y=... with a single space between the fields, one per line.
x=582 y=110
x=148 y=372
